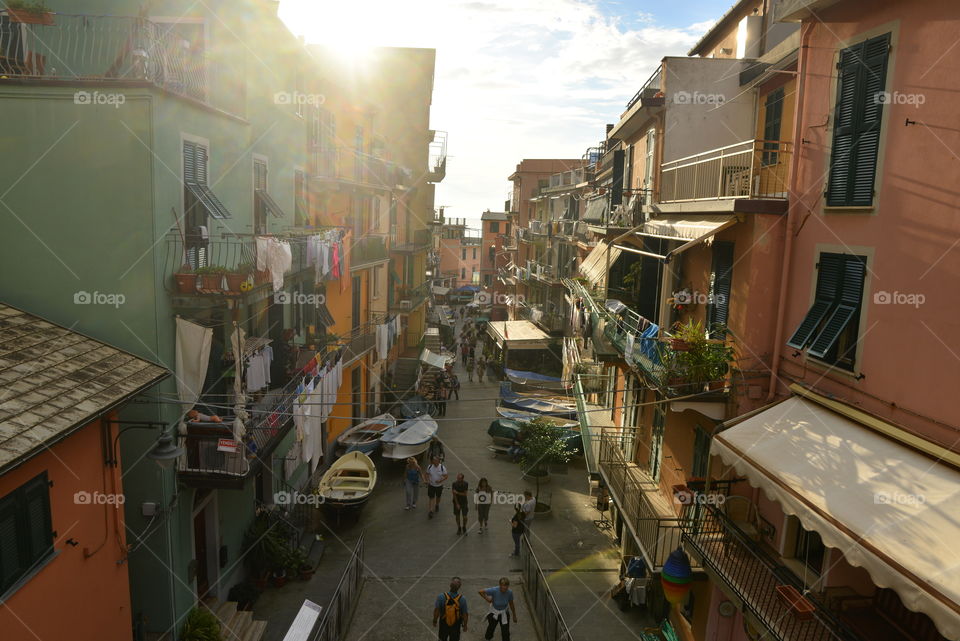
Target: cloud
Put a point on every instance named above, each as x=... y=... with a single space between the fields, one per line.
x=515 y=78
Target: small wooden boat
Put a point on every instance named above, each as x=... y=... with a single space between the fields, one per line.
x=409 y=438
x=348 y=482
x=503 y=431
x=365 y=437
x=521 y=416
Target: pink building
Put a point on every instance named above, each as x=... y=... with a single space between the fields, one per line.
x=459 y=250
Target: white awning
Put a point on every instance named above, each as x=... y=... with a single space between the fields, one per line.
x=685 y=228
x=434 y=360
x=594 y=266
x=889 y=509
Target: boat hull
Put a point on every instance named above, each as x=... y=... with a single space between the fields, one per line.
x=399 y=451
x=349 y=482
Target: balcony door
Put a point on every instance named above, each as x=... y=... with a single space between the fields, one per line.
x=656 y=441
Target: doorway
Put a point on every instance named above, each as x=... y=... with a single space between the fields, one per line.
x=205 y=543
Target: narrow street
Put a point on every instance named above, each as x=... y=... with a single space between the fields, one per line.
x=409 y=558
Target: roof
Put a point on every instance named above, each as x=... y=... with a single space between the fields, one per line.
x=493 y=215
x=520 y=334
x=55 y=380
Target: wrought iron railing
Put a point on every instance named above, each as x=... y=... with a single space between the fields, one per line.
x=748 y=169
x=370 y=249
x=204 y=455
x=350 y=165
x=755 y=575
x=103 y=48
x=337 y=614
x=649 y=90
x=543 y=606
x=656 y=534
x=437 y=157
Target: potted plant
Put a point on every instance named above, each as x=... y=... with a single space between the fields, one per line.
x=237 y=276
x=798 y=605
x=186 y=280
x=201 y=625
x=543 y=445
x=211 y=278
x=702 y=363
x=29 y=12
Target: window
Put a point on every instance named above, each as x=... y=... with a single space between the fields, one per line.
x=494 y=228
x=701 y=453
x=375 y=214
x=259 y=187
x=486 y=280
x=199 y=204
x=720 y=280
x=507 y=232
x=300 y=210
x=648 y=165
x=808 y=547
x=627 y=161
x=26 y=530
x=463 y=273
x=463 y=254
x=376 y=281
x=862 y=74
x=474 y=253
x=773 y=112
x=831 y=325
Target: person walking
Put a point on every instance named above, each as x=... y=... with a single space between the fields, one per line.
x=443 y=392
x=529 y=508
x=473 y=349
x=464 y=351
x=450 y=613
x=461 y=508
x=455 y=385
x=436 y=450
x=483 y=497
x=481 y=369
x=435 y=475
x=469 y=366
x=411 y=482
x=499 y=598
x=516 y=530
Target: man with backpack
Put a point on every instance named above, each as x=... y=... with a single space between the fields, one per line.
x=450 y=612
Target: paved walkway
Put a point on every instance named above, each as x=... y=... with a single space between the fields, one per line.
x=410 y=558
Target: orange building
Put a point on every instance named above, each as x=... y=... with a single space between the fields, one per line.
x=61 y=492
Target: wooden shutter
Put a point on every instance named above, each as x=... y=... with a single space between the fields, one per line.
x=828 y=287
x=12 y=560
x=862 y=73
x=850 y=295
x=36 y=510
x=259 y=174
x=773 y=115
x=722 y=279
x=189 y=162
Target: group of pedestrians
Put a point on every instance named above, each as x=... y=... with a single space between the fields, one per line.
x=451 y=614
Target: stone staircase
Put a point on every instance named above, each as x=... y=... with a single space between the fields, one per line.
x=236 y=625
x=405 y=377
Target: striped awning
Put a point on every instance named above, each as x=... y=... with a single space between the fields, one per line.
x=594 y=266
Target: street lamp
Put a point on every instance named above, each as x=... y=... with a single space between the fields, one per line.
x=165 y=452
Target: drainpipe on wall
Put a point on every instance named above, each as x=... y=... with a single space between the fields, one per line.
x=806 y=30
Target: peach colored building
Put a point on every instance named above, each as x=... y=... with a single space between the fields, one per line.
x=459 y=252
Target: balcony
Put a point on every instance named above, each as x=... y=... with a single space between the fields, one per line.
x=108 y=49
x=422 y=240
x=539 y=228
x=437 y=159
x=369 y=251
x=549 y=322
x=754 y=576
x=542 y=272
x=361 y=339
x=649 y=94
x=408 y=299
x=647 y=513
x=356 y=169
x=752 y=169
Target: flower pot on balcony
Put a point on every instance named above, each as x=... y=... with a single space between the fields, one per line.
x=211 y=282
x=679 y=345
x=25 y=16
x=261 y=277
x=799 y=607
x=186 y=282
x=235 y=282
x=716 y=385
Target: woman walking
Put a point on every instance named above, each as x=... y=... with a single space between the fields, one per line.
x=470 y=365
x=483 y=497
x=411 y=482
x=481 y=369
x=516 y=530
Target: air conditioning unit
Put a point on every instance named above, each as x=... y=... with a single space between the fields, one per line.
x=405 y=304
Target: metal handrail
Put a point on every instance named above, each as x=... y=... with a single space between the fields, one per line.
x=750 y=168
x=336 y=616
x=543 y=604
x=654 y=77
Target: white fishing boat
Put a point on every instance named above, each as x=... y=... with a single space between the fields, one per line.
x=409 y=438
x=365 y=437
x=520 y=415
x=348 y=482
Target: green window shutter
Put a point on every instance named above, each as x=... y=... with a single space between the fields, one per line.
x=722 y=281
x=36 y=508
x=773 y=116
x=26 y=531
x=828 y=288
x=12 y=559
x=862 y=73
x=189 y=162
x=201 y=163
x=847 y=309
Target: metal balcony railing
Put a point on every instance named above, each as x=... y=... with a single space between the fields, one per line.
x=419 y=240
x=437 y=158
x=543 y=606
x=349 y=165
x=630 y=488
x=754 y=576
x=748 y=169
x=370 y=249
x=409 y=298
x=103 y=48
x=649 y=90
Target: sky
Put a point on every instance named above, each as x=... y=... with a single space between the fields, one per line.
x=515 y=79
